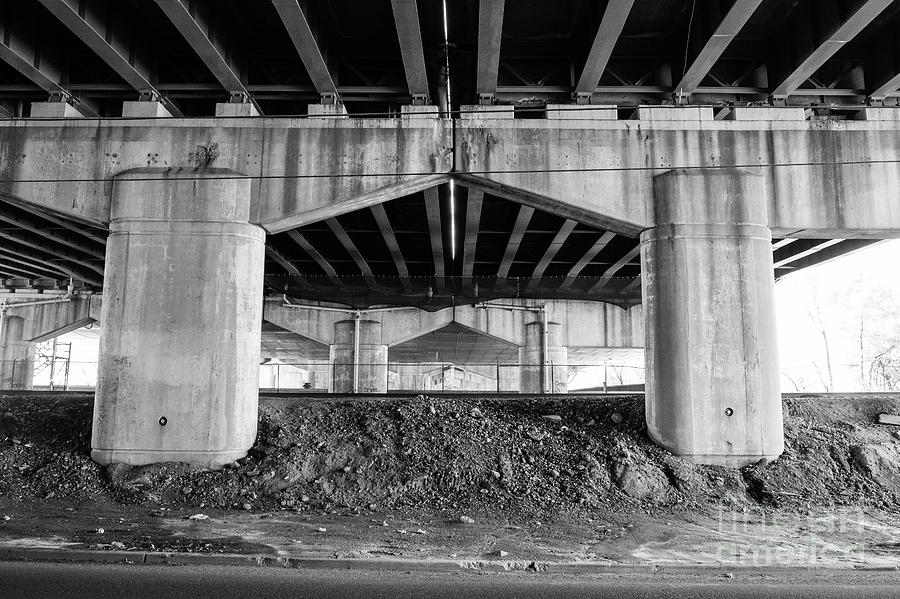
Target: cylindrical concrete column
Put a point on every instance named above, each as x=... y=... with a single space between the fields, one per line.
x=533 y=372
x=182 y=312
x=712 y=385
x=16 y=355
x=372 y=359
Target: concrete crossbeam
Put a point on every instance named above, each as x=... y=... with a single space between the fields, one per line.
x=595 y=172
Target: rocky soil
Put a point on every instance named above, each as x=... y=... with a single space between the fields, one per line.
x=517 y=457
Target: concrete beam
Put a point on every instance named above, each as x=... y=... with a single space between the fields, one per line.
x=816 y=247
x=92 y=23
x=310 y=249
x=555 y=245
x=17 y=239
x=490 y=32
x=608 y=33
x=435 y=232
x=196 y=29
x=594 y=171
x=618 y=265
x=826 y=179
x=19 y=48
x=515 y=240
x=33 y=265
x=828 y=47
x=52 y=237
x=589 y=255
x=387 y=231
x=824 y=254
x=301 y=33
x=409 y=32
x=730 y=25
x=470 y=237
x=351 y=249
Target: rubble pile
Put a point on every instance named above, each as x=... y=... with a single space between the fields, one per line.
x=472 y=454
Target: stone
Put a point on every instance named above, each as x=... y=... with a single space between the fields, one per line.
x=466 y=520
x=617 y=417
x=198 y=517
x=247 y=507
x=881 y=461
x=553 y=417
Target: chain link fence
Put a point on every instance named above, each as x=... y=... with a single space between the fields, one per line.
x=323 y=377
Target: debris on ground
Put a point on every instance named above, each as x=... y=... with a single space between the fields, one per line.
x=893 y=419
x=471 y=455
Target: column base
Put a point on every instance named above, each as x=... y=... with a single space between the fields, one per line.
x=142 y=457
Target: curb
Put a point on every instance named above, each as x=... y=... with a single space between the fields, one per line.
x=399 y=565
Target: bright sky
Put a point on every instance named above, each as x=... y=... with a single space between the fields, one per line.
x=836 y=287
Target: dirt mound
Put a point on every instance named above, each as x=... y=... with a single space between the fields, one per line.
x=507 y=456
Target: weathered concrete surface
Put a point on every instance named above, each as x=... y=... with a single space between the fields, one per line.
x=601 y=172
x=16 y=355
x=831 y=179
x=301 y=169
x=180 y=343
x=533 y=372
x=712 y=351
x=46 y=321
x=585 y=324
x=372 y=358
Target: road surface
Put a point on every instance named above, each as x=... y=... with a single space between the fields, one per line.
x=44 y=579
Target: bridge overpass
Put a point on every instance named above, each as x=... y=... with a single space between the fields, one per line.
x=680 y=156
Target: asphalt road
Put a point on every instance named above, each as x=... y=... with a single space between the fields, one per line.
x=30 y=579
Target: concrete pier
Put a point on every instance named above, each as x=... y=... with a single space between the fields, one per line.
x=712 y=391
x=182 y=308
x=16 y=355
x=538 y=376
x=364 y=360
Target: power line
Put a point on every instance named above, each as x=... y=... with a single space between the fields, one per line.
x=601 y=169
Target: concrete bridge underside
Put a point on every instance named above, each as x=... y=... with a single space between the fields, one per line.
x=550 y=213
x=622 y=152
